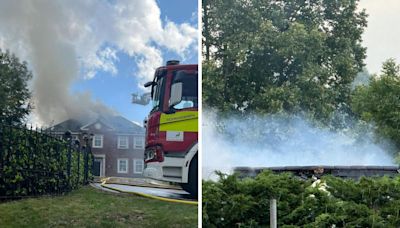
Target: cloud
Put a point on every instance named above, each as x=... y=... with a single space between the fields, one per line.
x=102 y=60
x=178 y=37
x=59 y=39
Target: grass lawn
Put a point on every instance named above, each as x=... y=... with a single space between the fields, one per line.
x=89 y=207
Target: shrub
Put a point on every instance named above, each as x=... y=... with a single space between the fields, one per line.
x=34 y=163
x=368 y=202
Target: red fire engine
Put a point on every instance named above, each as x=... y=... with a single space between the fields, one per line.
x=172 y=126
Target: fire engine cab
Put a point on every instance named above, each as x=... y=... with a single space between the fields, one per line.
x=172 y=126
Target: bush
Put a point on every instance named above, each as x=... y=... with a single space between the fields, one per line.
x=33 y=163
x=333 y=202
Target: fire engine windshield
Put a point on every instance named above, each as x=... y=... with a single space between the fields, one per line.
x=189 y=91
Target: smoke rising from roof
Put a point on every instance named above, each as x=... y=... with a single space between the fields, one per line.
x=268 y=141
x=63 y=39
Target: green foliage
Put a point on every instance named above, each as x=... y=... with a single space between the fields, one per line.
x=379 y=102
x=334 y=202
x=33 y=163
x=14 y=93
x=281 y=56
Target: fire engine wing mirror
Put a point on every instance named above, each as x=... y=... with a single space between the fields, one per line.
x=147 y=84
x=176 y=94
x=152 y=84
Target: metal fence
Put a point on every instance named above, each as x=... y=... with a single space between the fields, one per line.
x=37 y=162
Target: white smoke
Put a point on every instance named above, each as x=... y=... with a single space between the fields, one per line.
x=268 y=141
x=62 y=39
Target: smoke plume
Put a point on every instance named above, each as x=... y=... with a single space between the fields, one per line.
x=61 y=40
x=267 y=141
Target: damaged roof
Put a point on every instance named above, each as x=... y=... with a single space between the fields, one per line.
x=118 y=123
x=354 y=172
x=68 y=125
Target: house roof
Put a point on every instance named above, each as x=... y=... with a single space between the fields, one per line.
x=117 y=123
x=121 y=124
x=71 y=125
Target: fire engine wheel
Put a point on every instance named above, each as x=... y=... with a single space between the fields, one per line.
x=192 y=185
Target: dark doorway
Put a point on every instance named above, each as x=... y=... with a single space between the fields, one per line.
x=96 y=168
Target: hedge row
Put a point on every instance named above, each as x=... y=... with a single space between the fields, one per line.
x=330 y=202
x=36 y=163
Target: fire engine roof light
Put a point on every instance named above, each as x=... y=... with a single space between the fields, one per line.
x=172 y=62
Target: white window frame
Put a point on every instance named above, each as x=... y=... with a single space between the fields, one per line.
x=119 y=141
x=135 y=142
x=101 y=141
x=127 y=165
x=134 y=166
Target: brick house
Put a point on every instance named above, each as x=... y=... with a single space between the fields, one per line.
x=117 y=145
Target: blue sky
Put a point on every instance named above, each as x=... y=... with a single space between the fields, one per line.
x=115 y=90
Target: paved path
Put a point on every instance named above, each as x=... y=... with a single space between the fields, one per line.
x=159 y=192
x=141 y=182
x=98 y=186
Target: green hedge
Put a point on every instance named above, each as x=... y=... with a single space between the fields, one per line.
x=34 y=163
x=334 y=202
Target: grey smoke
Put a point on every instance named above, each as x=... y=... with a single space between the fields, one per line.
x=274 y=140
x=56 y=66
x=36 y=32
x=62 y=40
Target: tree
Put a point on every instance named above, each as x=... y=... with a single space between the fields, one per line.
x=379 y=101
x=281 y=56
x=14 y=92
